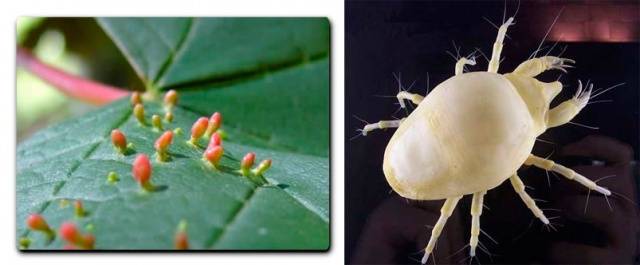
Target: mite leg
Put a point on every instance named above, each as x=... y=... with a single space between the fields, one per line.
x=566 y=172
x=445 y=212
x=518 y=186
x=494 y=63
x=538 y=65
x=476 y=211
x=462 y=62
x=381 y=125
x=564 y=112
x=404 y=95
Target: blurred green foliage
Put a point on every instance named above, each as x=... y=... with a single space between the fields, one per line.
x=75 y=45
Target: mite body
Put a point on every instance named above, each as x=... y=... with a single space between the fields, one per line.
x=473 y=132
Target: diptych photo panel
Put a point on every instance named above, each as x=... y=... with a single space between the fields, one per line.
x=326 y=132
x=491 y=132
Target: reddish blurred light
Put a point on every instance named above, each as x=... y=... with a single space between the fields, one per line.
x=599 y=22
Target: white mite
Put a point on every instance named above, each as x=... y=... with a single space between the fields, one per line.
x=473 y=132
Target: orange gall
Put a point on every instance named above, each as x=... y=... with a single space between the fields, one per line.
x=136 y=98
x=163 y=142
x=247 y=163
x=171 y=98
x=119 y=140
x=37 y=222
x=198 y=129
x=214 y=123
x=142 y=170
x=213 y=154
x=215 y=140
x=69 y=232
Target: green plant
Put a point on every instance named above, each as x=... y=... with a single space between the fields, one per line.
x=270 y=80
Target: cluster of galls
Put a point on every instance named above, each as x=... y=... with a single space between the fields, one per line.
x=141 y=169
x=68 y=231
x=214 y=150
x=202 y=128
x=170 y=100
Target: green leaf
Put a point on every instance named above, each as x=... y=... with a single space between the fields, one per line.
x=170 y=52
x=270 y=80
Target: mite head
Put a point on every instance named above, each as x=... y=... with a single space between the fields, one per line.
x=537 y=95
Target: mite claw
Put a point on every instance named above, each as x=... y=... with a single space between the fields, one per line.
x=582 y=96
x=471 y=60
x=560 y=63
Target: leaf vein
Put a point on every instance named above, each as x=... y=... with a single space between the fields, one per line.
x=79 y=162
x=179 y=48
x=216 y=237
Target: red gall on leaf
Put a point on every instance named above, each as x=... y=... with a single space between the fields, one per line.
x=78 y=209
x=36 y=222
x=119 y=140
x=247 y=163
x=171 y=98
x=136 y=98
x=69 y=232
x=213 y=155
x=164 y=140
x=198 y=129
x=262 y=167
x=182 y=239
x=215 y=140
x=142 y=171
x=138 y=112
x=162 y=144
x=214 y=123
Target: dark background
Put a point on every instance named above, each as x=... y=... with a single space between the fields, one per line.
x=410 y=39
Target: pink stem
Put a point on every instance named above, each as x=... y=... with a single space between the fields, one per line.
x=74 y=86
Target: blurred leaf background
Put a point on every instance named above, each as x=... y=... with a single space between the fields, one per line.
x=75 y=45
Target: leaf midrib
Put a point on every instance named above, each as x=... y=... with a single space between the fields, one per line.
x=174 y=53
x=216 y=237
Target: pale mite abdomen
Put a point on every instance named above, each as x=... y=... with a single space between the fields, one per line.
x=471 y=133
